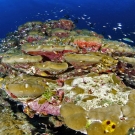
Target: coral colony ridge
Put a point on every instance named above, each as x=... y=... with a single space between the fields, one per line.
x=77 y=75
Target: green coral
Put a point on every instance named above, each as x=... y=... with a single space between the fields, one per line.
x=88 y=124
x=49 y=92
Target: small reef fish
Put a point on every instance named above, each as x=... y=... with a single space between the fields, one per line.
x=114 y=28
x=109 y=36
x=119 y=28
x=133 y=32
x=119 y=24
x=61 y=10
x=92 y=25
x=83 y=18
x=128 y=40
x=84 y=15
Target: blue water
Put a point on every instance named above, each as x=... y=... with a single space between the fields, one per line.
x=104 y=15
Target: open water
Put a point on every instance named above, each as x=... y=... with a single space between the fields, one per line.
x=114 y=19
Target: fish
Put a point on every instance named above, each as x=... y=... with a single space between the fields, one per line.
x=119 y=28
x=109 y=36
x=84 y=15
x=119 y=24
x=92 y=25
x=83 y=18
x=128 y=40
x=61 y=10
x=114 y=28
x=133 y=32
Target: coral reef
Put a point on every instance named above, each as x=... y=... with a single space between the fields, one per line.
x=78 y=76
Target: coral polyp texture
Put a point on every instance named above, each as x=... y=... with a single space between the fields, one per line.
x=78 y=75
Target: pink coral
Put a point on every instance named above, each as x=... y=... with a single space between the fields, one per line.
x=45 y=108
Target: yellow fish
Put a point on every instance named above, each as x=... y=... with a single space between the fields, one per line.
x=108 y=126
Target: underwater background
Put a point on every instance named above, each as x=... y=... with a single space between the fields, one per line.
x=115 y=19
